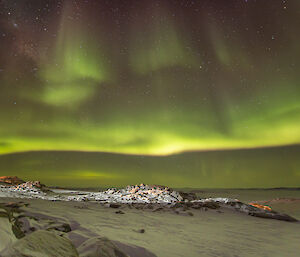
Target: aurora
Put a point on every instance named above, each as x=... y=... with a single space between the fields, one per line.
x=149 y=78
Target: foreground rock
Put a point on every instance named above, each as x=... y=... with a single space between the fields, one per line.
x=41 y=243
x=26 y=233
x=133 y=250
x=100 y=247
x=104 y=247
x=7 y=236
x=23 y=222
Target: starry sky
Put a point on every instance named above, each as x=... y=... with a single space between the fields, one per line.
x=117 y=92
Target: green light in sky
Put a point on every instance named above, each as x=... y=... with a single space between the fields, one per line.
x=155 y=100
x=77 y=67
x=158 y=45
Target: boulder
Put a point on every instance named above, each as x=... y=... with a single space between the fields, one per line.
x=100 y=247
x=41 y=243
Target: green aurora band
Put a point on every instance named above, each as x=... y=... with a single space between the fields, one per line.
x=152 y=78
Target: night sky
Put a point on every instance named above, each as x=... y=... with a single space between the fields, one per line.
x=184 y=93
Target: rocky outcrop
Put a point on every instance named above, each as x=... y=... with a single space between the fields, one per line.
x=155 y=198
x=132 y=194
x=247 y=208
x=30 y=184
x=11 y=180
x=29 y=189
x=41 y=243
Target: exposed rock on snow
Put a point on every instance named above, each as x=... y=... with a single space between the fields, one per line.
x=247 y=208
x=30 y=185
x=140 y=197
x=130 y=194
x=134 y=194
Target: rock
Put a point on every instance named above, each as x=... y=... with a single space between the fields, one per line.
x=31 y=185
x=65 y=227
x=272 y=215
x=11 y=180
x=28 y=223
x=211 y=205
x=8 y=210
x=13 y=204
x=41 y=243
x=176 y=195
x=142 y=194
x=7 y=236
x=188 y=196
x=158 y=209
x=120 y=212
x=115 y=205
x=205 y=204
x=245 y=208
x=149 y=206
x=100 y=247
x=133 y=250
x=24 y=223
x=16 y=229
